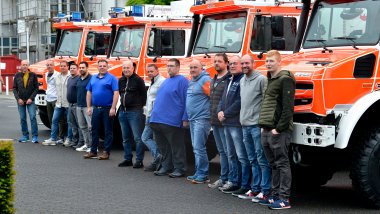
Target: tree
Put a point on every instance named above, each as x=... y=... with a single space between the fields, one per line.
x=156 y=2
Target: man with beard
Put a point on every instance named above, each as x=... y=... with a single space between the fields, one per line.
x=217 y=86
x=252 y=87
x=84 y=120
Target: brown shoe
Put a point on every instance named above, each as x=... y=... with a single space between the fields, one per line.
x=104 y=156
x=91 y=155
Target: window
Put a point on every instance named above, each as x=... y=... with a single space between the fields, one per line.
x=128 y=41
x=6 y=42
x=166 y=43
x=342 y=24
x=14 y=42
x=97 y=43
x=221 y=33
x=264 y=37
x=69 y=43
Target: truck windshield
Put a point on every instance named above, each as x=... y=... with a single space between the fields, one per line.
x=221 y=33
x=342 y=24
x=128 y=41
x=70 y=43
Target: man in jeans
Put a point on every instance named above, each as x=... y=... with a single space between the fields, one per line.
x=252 y=87
x=228 y=114
x=276 y=120
x=77 y=138
x=167 y=119
x=61 y=106
x=132 y=98
x=198 y=111
x=147 y=135
x=25 y=88
x=217 y=86
x=102 y=96
x=84 y=120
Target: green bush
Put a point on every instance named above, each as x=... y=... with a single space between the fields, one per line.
x=6 y=176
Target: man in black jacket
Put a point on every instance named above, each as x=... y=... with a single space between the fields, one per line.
x=132 y=97
x=25 y=88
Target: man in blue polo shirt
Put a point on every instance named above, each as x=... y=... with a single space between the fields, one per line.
x=102 y=97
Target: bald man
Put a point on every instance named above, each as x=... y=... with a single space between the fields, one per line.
x=198 y=111
x=132 y=98
x=25 y=88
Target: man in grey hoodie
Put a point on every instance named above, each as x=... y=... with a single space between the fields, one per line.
x=252 y=89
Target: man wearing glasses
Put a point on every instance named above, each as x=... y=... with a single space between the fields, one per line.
x=167 y=119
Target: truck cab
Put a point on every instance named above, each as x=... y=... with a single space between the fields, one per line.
x=336 y=120
x=76 y=42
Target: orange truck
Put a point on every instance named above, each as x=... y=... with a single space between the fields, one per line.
x=337 y=100
x=75 y=42
x=242 y=27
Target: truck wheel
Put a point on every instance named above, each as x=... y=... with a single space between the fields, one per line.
x=44 y=116
x=365 y=172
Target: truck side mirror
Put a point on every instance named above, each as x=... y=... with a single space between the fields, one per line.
x=277 y=26
x=278 y=44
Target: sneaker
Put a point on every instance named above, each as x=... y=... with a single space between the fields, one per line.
x=240 y=191
x=259 y=197
x=67 y=142
x=138 y=164
x=88 y=149
x=191 y=177
x=248 y=195
x=226 y=185
x=60 y=141
x=229 y=188
x=90 y=155
x=200 y=180
x=49 y=142
x=268 y=200
x=23 y=139
x=104 y=156
x=79 y=145
x=218 y=183
x=125 y=163
x=82 y=149
x=34 y=139
x=280 y=204
x=151 y=168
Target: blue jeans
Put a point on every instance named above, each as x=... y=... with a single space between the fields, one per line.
x=199 y=130
x=147 y=138
x=58 y=113
x=237 y=156
x=100 y=118
x=32 y=116
x=132 y=120
x=220 y=141
x=261 y=171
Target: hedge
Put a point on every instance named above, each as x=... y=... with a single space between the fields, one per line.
x=6 y=176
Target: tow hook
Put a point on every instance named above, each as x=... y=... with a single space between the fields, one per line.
x=296 y=155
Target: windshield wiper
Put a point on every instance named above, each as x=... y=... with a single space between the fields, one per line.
x=219 y=46
x=205 y=53
x=67 y=52
x=323 y=43
x=352 y=39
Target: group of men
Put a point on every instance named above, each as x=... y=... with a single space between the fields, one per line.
x=250 y=116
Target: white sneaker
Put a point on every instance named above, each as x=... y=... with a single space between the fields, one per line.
x=88 y=150
x=67 y=142
x=258 y=197
x=60 y=141
x=49 y=142
x=82 y=149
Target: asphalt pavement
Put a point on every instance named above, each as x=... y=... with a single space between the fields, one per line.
x=54 y=179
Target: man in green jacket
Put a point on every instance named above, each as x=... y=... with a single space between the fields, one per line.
x=276 y=121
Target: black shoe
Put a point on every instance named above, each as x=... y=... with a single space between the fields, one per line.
x=151 y=168
x=125 y=163
x=176 y=174
x=240 y=191
x=138 y=164
x=161 y=172
x=230 y=189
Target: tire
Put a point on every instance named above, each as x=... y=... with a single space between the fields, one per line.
x=314 y=171
x=365 y=171
x=42 y=110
